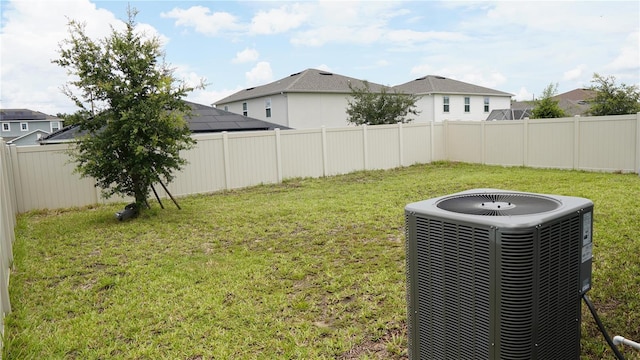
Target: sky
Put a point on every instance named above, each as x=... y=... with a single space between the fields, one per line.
x=519 y=47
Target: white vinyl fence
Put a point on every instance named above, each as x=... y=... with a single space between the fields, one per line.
x=44 y=177
x=7 y=224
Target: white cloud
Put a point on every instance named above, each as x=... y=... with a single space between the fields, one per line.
x=421 y=70
x=629 y=56
x=406 y=36
x=324 y=67
x=203 y=21
x=31 y=34
x=338 y=34
x=189 y=77
x=523 y=95
x=260 y=74
x=205 y=97
x=346 y=22
x=245 y=56
x=575 y=73
x=279 y=20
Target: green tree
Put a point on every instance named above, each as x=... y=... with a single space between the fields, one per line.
x=546 y=107
x=75 y=118
x=137 y=128
x=376 y=108
x=613 y=99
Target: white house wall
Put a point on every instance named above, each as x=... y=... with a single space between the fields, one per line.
x=312 y=110
x=257 y=110
x=432 y=107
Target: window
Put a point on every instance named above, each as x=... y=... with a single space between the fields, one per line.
x=467 y=104
x=55 y=126
x=226 y=108
x=24 y=126
x=486 y=104
x=267 y=107
x=445 y=102
x=6 y=127
x=245 y=109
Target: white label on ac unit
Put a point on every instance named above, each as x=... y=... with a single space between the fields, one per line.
x=587 y=252
x=586 y=228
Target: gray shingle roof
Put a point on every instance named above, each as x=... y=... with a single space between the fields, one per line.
x=24 y=114
x=431 y=84
x=205 y=119
x=307 y=81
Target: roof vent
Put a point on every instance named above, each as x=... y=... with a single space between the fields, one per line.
x=440 y=77
x=325 y=73
x=295 y=74
x=422 y=78
x=251 y=88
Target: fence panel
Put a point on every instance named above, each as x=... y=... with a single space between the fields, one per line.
x=383 y=147
x=464 y=141
x=45 y=179
x=205 y=170
x=503 y=143
x=302 y=153
x=551 y=143
x=607 y=144
x=417 y=144
x=345 y=150
x=252 y=159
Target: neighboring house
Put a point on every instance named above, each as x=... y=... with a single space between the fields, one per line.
x=575 y=102
x=205 y=119
x=25 y=127
x=442 y=99
x=307 y=99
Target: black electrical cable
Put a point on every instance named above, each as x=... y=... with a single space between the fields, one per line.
x=613 y=346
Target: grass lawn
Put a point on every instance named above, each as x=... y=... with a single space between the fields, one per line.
x=307 y=269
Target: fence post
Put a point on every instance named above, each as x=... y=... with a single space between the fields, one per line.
x=227 y=166
x=401 y=141
x=576 y=143
x=432 y=138
x=525 y=142
x=638 y=143
x=278 y=155
x=365 y=146
x=445 y=145
x=323 y=133
x=17 y=181
x=483 y=142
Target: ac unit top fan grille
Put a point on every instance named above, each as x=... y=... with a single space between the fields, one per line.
x=498 y=204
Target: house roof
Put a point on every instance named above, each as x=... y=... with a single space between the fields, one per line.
x=24 y=114
x=433 y=84
x=307 y=81
x=576 y=95
x=205 y=119
x=575 y=102
x=33 y=134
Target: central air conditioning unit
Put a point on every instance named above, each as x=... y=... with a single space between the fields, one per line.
x=495 y=274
